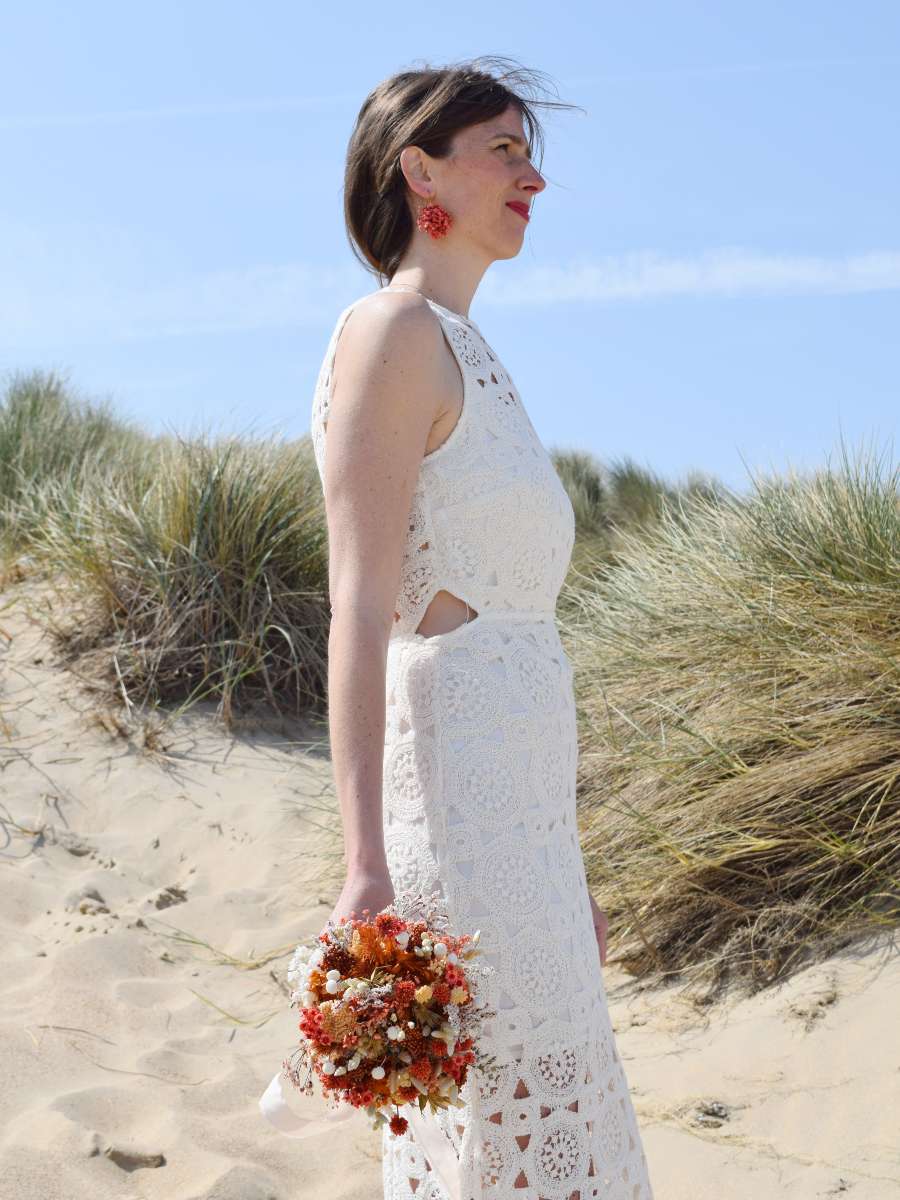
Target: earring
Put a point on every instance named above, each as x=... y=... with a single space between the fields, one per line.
x=434 y=220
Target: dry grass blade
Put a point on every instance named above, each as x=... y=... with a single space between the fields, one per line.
x=182 y=937
x=738 y=687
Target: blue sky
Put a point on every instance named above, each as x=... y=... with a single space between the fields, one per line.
x=710 y=281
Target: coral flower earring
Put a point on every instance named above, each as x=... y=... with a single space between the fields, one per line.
x=434 y=220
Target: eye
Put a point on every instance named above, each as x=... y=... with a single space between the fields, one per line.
x=506 y=146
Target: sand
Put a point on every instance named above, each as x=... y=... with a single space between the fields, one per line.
x=149 y=901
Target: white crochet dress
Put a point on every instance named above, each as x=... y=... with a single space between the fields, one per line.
x=479 y=806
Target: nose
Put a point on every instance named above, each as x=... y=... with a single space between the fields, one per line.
x=535 y=181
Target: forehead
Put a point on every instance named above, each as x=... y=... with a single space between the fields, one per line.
x=507 y=124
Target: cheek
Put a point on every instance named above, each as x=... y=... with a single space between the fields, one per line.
x=484 y=188
x=487 y=174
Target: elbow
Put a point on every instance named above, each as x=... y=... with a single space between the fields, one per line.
x=361 y=624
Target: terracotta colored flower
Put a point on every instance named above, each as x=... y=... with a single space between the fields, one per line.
x=416 y=929
x=389 y=924
x=404 y=991
x=346 y=1039
x=337 y=958
x=416 y=1043
x=421 y=1069
x=453 y=975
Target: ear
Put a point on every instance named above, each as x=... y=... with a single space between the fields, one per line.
x=414 y=165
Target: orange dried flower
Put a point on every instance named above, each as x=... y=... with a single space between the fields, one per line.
x=421 y=1069
x=354 y=1028
x=404 y=991
x=415 y=1043
x=453 y=975
x=338 y=959
x=338 y=1024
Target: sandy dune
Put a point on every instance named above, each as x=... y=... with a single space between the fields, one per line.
x=133 y=1055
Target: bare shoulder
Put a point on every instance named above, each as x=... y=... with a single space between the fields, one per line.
x=391 y=359
x=402 y=324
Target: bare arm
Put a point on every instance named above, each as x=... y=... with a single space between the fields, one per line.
x=386 y=394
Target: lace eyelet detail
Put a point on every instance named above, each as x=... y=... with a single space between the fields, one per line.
x=479 y=776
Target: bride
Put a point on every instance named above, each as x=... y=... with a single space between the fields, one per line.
x=451 y=709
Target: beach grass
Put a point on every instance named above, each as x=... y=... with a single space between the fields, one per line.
x=737 y=658
x=738 y=691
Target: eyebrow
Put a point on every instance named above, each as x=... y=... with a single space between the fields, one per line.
x=513 y=137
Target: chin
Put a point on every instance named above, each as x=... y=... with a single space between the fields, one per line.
x=513 y=252
x=509 y=251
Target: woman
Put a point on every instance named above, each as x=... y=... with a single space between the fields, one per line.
x=451 y=709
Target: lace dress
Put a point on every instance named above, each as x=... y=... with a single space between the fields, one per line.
x=479 y=806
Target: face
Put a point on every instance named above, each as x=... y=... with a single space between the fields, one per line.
x=486 y=170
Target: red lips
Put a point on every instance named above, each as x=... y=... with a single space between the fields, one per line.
x=520 y=208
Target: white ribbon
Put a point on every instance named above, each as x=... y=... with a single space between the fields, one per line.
x=437 y=1148
x=273 y=1104
x=428 y=1134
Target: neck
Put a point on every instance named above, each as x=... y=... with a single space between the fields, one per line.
x=453 y=286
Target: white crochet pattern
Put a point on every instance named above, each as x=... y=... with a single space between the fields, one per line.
x=479 y=806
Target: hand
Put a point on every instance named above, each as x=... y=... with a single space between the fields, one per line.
x=371 y=889
x=601 y=928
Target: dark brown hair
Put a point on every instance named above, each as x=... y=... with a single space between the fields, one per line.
x=426 y=108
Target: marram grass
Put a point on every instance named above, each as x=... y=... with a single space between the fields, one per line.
x=737 y=660
x=738 y=687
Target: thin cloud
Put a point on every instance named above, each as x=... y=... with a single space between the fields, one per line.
x=292 y=295
x=728 y=271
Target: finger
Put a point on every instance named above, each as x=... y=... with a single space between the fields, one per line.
x=601 y=943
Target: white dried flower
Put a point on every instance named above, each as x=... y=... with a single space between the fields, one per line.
x=299 y=967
